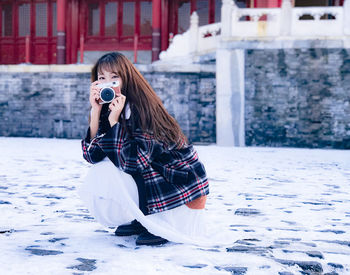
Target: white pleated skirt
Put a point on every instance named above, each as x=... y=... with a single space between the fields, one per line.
x=111 y=196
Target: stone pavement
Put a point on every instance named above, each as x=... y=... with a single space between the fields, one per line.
x=286 y=211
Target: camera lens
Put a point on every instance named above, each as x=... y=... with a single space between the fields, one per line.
x=107 y=94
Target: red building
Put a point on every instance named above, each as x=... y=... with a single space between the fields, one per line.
x=55 y=31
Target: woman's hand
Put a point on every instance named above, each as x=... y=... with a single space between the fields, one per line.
x=95 y=96
x=116 y=107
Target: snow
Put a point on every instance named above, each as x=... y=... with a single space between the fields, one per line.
x=272 y=204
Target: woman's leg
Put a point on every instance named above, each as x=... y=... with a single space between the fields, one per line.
x=107 y=193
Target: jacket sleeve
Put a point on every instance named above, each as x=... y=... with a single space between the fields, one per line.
x=121 y=150
x=172 y=164
x=92 y=153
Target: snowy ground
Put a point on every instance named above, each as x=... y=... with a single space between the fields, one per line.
x=286 y=210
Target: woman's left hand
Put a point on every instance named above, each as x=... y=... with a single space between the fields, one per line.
x=116 y=107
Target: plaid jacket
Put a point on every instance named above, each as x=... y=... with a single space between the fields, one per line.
x=171 y=176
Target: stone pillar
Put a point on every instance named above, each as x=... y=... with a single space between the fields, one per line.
x=286 y=17
x=230 y=97
x=194 y=32
x=229 y=83
x=61 y=32
x=228 y=9
x=156 y=18
x=346 y=17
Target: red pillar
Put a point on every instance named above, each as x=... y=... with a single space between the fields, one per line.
x=267 y=3
x=164 y=37
x=193 y=6
x=156 y=16
x=61 y=32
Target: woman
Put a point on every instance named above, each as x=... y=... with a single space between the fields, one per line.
x=145 y=170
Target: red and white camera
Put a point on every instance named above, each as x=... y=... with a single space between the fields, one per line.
x=107 y=92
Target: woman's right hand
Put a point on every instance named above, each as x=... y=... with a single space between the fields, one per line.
x=95 y=96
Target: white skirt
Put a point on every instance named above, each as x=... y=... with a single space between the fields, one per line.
x=111 y=196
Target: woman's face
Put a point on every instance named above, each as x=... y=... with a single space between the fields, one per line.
x=106 y=76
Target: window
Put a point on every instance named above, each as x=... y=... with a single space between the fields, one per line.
x=184 y=11
x=208 y=11
x=243 y=3
x=146 y=18
x=217 y=10
x=6 y=20
x=41 y=19
x=308 y=3
x=118 y=21
x=203 y=12
x=54 y=19
x=111 y=10
x=34 y=18
x=94 y=19
x=24 y=19
x=128 y=18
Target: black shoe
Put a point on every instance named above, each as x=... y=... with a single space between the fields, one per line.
x=147 y=238
x=135 y=228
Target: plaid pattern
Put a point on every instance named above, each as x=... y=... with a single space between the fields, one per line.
x=172 y=176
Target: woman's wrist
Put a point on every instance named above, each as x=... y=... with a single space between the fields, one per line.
x=113 y=118
x=95 y=117
x=112 y=122
x=95 y=112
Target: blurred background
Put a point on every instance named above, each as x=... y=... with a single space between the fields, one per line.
x=235 y=73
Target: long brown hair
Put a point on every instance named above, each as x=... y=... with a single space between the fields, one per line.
x=147 y=110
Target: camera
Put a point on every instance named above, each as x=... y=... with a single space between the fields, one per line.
x=107 y=93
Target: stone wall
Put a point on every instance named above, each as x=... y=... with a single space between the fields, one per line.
x=55 y=104
x=297 y=97
x=190 y=98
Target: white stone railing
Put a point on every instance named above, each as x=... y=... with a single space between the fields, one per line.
x=207 y=37
x=318 y=24
x=195 y=41
x=240 y=24
x=256 y=27
x=285 y=21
